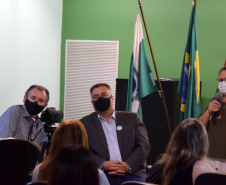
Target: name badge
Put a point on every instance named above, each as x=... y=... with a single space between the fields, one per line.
x=119 y=127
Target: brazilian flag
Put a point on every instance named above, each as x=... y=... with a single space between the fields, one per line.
x=189 y=84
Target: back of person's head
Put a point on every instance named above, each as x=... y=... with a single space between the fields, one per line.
x=74 y=166
x=188 y=144
x=68 y=132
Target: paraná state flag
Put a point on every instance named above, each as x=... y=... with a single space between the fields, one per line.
x=141 y=81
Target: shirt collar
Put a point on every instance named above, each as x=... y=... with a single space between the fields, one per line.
x=26 y=114
x=112 y=116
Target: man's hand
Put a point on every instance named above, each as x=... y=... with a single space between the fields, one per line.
x=107 y=165
x=115 y=167
x=214 y=106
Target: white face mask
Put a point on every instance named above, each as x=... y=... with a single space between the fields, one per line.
x=222 y=87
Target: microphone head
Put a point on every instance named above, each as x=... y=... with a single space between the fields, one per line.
x=218 y=96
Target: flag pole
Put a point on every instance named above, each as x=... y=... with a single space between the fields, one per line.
x=195 y=1
x=156 y=71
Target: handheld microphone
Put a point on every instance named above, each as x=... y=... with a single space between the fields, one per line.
x=214 y=114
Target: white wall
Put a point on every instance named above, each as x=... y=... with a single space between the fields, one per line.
x=30 y=47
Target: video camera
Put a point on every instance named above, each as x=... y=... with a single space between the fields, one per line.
x=51 y=116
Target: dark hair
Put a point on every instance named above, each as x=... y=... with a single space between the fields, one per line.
x=40 y=88
x=74 y=165
x=188 y=144
x=99 y=85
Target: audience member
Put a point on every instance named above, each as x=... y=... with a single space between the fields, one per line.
x=118 y=139
x=75 y=166
x=185 y=155
x=70 y=132
x=22 y=121
x=217 y=128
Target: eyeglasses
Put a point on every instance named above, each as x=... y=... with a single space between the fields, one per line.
x=221 y=79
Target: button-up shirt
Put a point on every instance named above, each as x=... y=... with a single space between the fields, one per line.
x=16 y=122
x=111 y=136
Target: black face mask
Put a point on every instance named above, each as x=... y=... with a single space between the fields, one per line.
x=33 y=108
x=102 y=104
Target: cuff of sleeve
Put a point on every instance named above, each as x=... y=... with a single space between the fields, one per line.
x=130 y=170
x=101 y=167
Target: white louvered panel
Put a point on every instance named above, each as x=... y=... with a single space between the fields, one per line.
x=87 y=63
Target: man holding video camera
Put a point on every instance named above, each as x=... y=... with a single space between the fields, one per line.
x=22 y=121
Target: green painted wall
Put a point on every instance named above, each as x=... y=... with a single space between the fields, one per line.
x=167 y=23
